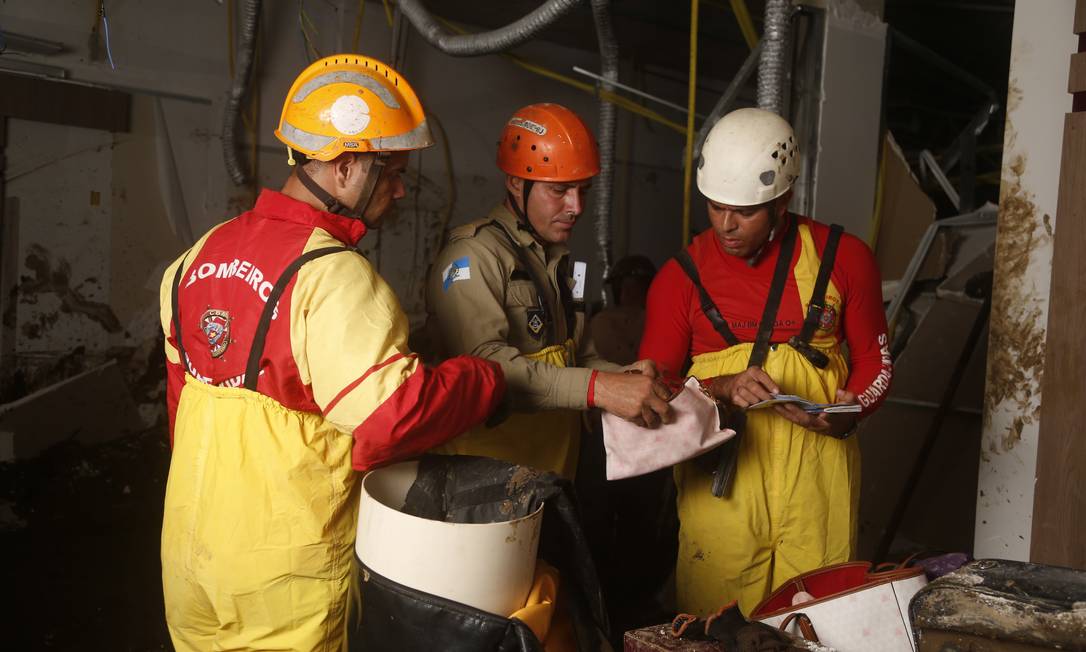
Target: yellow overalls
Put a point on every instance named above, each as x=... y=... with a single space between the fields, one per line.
x=794 y=501
x=259 y=521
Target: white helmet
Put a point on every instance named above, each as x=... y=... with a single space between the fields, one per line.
x=750 y=157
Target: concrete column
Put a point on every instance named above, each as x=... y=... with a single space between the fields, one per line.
x=849 y=132
x=1036 y=103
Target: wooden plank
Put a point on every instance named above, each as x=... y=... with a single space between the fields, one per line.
x=1076 y=79
x=1080 y=17
x=65 y=103
x=1059 y=505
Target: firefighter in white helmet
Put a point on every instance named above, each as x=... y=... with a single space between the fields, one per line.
x=764 y=303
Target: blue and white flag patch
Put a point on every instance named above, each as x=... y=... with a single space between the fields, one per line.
x=458 y=270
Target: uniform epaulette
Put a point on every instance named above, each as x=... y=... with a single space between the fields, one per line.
x=469 y=230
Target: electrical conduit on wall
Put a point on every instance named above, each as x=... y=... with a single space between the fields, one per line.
x=247 y=45
x=772 y=73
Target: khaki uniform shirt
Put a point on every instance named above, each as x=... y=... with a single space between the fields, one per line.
x=483 y=302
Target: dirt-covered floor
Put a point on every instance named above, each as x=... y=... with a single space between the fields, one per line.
x=80 y=528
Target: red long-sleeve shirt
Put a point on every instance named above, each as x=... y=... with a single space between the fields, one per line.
x=676 y=328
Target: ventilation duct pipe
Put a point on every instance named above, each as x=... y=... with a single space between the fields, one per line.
x=242 y=76
x=601 y=14
x=772 y=72
x=498 y=40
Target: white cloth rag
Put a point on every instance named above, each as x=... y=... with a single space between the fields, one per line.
x=633 y=450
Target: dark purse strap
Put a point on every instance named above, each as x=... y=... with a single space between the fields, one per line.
x=712 y=313
x=726 y=466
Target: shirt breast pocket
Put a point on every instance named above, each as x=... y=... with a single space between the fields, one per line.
x=523 y=311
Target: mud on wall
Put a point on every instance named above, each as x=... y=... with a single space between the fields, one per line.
x=1037 y=99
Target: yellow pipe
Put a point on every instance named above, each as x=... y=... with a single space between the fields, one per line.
x=691 y=97
x=746 y=25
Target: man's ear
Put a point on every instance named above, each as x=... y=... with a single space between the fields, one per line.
x=781 y=206
x=515 y=185
x=344 y=167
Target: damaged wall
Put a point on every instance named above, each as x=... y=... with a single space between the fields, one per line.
x=90 y=255
x=1036 y=103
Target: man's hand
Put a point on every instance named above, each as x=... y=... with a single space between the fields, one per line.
x=745 y=388
x=644 y=367
x=633 y=396
x=835 y=425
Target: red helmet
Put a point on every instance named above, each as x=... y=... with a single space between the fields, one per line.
x=548 y=142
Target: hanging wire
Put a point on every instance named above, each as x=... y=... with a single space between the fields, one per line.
x=311 y=51
x=230 y=36
x=358 y=25
x=105 y=31
x=620 y=101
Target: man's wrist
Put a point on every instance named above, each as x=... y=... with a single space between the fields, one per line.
x=591 y=398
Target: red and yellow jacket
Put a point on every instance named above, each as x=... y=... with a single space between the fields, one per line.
x=337 y=344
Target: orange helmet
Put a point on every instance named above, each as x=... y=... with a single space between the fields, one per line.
x=351 y=103
x=548 y=142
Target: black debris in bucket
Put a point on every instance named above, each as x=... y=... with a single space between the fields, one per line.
x=468 y=489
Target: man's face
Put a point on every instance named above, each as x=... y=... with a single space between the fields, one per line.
x=553 y=208
x=743 y=230
x=389 y=188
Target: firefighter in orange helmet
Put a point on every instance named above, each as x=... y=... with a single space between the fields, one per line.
x=504 y=289
x=288 y=371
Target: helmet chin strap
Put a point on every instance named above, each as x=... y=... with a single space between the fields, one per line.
x=522 y=210
x=333 y=205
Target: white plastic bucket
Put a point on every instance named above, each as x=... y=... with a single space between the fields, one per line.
x=489 y=566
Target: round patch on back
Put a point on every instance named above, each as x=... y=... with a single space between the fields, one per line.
x=350 y=114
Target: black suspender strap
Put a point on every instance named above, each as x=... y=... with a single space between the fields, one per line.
x=173 y=308
x=707 y=305
x=773 y=302
x=817 y=303
x=256 y=351
x=541 y=290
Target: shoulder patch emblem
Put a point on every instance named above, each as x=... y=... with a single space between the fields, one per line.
x=458 y=270
x=216 y=327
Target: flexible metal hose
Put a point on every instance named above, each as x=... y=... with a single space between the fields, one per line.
x=242 y=76
x=497 y=40
x=605 y=182
x=772 y=71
